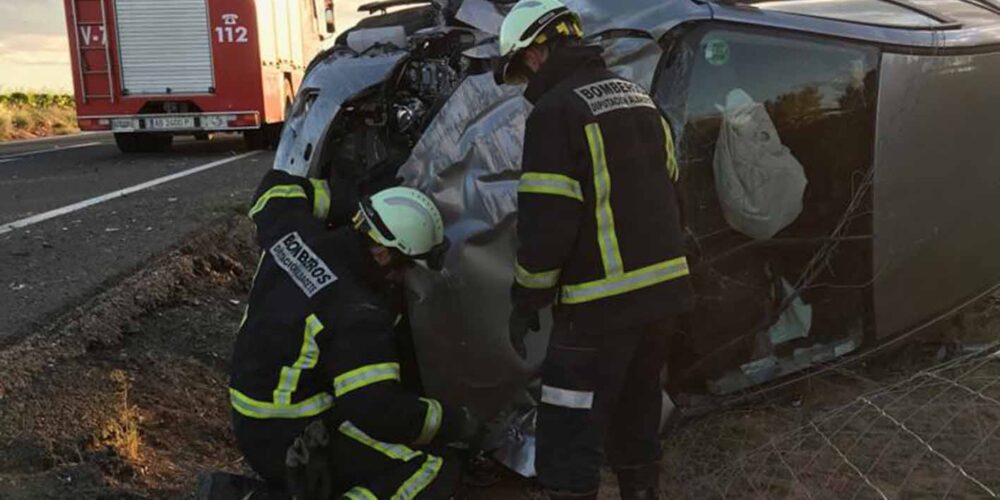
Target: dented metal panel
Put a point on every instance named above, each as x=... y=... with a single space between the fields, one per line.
x=469 y=160
x=324 y=90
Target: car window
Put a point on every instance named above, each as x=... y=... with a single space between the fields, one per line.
x=811 y=104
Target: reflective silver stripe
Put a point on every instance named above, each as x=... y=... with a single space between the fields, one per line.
x=432 y=422
x=420 y=479
x=606 y=237
x=536 y=281
x=579 y=400
x=259 y=409
x=393 y=451
x=544 y=183
x=364 y=376
x=628 y=282
x=321 y=198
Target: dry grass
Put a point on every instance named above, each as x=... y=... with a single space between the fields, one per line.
x=27 y=115
x=122 y=432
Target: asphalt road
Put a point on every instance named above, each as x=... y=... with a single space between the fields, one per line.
x=76 y=214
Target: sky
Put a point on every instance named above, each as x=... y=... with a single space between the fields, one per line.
x=34 y=51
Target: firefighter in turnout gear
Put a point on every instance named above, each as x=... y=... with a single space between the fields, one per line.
x=317 y=345
x=600 y=238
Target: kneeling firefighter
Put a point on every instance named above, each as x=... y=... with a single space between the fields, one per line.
x=317 y=345
x=600 y=237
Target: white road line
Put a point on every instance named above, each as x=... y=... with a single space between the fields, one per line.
x=35 y=219
x=18 y=156
x=55 y=138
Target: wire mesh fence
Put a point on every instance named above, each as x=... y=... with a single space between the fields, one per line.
x=933 y=434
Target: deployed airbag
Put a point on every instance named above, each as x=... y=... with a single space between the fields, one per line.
x=759 y=182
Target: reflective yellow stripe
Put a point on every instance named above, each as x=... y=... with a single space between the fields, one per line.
x=540 y=183
x=536 y=281
x=668 y=138
x=432 y=422
x=364 y=376
x=393 y=451
x=321 y=198
x=246 y=310
x=420 y=479
x=628 y=282
x=360 y=493
x=606 y=237
x=259 y=409
x=282 y=191
x=288 y=381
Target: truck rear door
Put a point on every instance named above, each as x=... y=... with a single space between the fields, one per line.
x=165 y=47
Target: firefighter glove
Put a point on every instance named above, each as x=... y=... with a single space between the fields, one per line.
x=467 y=430
x=521 y=322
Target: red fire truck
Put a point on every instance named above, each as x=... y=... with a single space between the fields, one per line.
x=148 y=70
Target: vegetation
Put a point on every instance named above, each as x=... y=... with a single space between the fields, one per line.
x=24 y=115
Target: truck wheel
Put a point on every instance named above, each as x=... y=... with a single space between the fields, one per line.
x=158 y=143
x=272 y=134
x=143 y=143
x=255 y=139
x=127 y=142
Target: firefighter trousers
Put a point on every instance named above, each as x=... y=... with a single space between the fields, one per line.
x=601 y=398
x=355 y=465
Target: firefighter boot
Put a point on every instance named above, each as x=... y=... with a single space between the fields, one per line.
x=639 y=483
x=308 y=464
x=225 y=486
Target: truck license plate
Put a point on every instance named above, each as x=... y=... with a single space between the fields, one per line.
x=171 y=122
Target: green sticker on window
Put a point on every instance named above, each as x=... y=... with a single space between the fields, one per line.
x=716 y=51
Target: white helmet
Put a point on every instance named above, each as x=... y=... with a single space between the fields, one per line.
x=525 y=25
x=407 y=220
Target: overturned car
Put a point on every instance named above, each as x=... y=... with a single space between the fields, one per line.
x=835 y=155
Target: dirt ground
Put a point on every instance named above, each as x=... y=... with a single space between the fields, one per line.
x=124 y=396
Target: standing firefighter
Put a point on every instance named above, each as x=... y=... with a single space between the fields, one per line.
x=601 y=236
x=317 y=345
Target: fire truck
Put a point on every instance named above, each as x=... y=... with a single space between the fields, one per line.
x=148 y=70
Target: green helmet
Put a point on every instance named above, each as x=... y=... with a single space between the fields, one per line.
x=405 y=219
x=529 y=22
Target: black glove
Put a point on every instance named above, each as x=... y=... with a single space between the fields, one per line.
x=308 y=464
x=521 y=322
x=466 y=431
x=469 y=427
x=692 y=248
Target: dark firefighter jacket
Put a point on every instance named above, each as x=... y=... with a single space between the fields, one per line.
x=598 y=213
x=317 y=337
